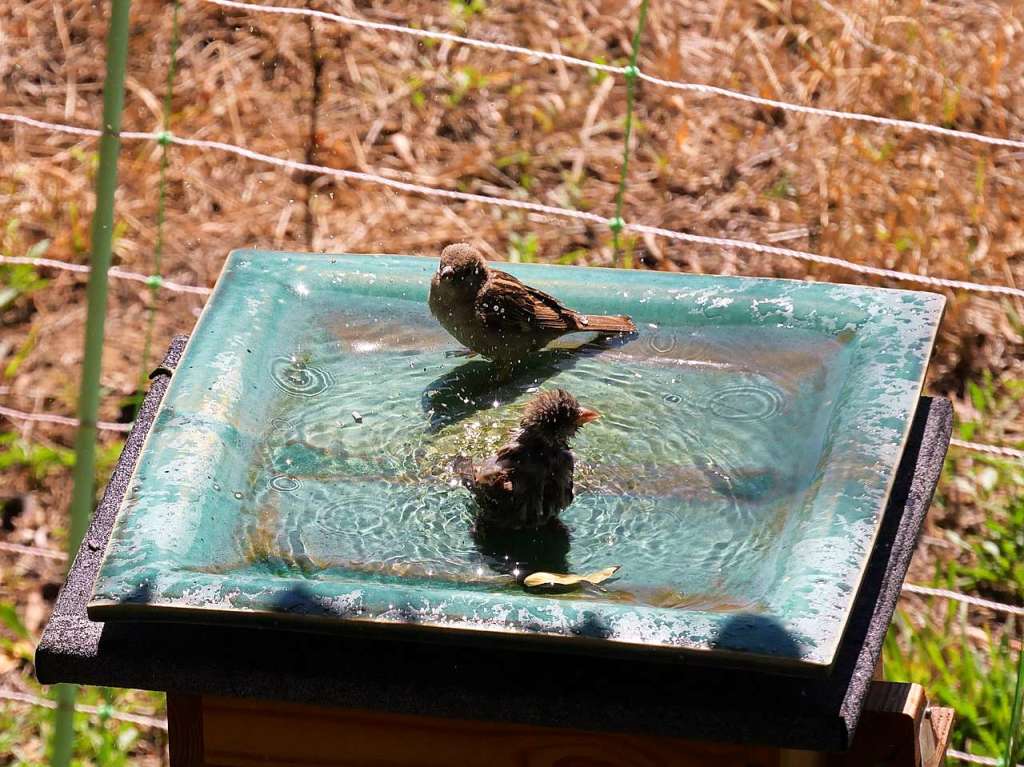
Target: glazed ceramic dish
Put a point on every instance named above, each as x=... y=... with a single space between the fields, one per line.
x=300 y=464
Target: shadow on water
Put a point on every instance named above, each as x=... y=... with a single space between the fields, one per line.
x=474 y=385
x=750 y=632
x=521 y=552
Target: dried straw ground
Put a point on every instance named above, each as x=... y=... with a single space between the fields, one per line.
x=497 y=124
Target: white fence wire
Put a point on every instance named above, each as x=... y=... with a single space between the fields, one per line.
x=61 y=420
x=889 y=122
x=533 y=207
x=963 y=756
x=114 y=272
x=34 y=700
x=996 y=450
x=967 y=599
x=33 y=551
x=1006 y=452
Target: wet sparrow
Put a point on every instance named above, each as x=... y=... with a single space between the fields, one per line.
x=496 y=315
x=528 y=482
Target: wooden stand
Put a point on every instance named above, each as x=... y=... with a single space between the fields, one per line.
x=897 y=729
x=363 y=699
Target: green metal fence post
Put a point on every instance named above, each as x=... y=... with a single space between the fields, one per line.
x=156 y=278
x=89 y=391
x=631 y=74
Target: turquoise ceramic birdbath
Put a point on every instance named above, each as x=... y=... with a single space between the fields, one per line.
x=300 y=464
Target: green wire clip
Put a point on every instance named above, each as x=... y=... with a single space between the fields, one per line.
x=163 y=138
x=616 y=224
x=154 y=281
x=631 y=71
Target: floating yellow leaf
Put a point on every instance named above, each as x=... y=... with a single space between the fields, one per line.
x=536 y=580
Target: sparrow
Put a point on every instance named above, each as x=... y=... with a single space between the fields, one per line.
x=495 y=315
x=528 y=482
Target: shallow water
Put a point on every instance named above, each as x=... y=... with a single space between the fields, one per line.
x=299 y=464
x=706 y=451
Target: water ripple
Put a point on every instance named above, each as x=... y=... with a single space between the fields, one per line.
x=284 y=484
x=747 y=402
x=298 y=379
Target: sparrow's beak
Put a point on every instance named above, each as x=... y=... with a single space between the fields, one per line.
x=586 y=416
x=446 y=271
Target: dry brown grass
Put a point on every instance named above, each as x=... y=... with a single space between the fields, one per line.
x=497 y=124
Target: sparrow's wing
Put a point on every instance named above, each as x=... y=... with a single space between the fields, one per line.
x=493 y=479
x=505 y=303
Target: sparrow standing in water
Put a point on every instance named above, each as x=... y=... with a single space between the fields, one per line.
x=494 y=314
x=528 y=483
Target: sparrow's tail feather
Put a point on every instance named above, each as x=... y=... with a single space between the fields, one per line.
x=465 y=470
x=600 y=323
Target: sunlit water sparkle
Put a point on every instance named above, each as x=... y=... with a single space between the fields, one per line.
x=708 y=439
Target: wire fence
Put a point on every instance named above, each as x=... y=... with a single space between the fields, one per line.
x=33 y=551
x=967 y=599
x=60 y=420
x=632 y=74
x=533 y=207
x=152 y=280
x=963 y=756
x=34 y=700
x=996 y=450
x=631 y=69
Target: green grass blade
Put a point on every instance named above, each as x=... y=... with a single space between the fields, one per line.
x=1013 y=738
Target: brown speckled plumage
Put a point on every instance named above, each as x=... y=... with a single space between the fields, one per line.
x=494 y=314
x=529 y=481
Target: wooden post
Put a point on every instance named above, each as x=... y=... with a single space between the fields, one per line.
x=897 y=729
x=185 y=730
